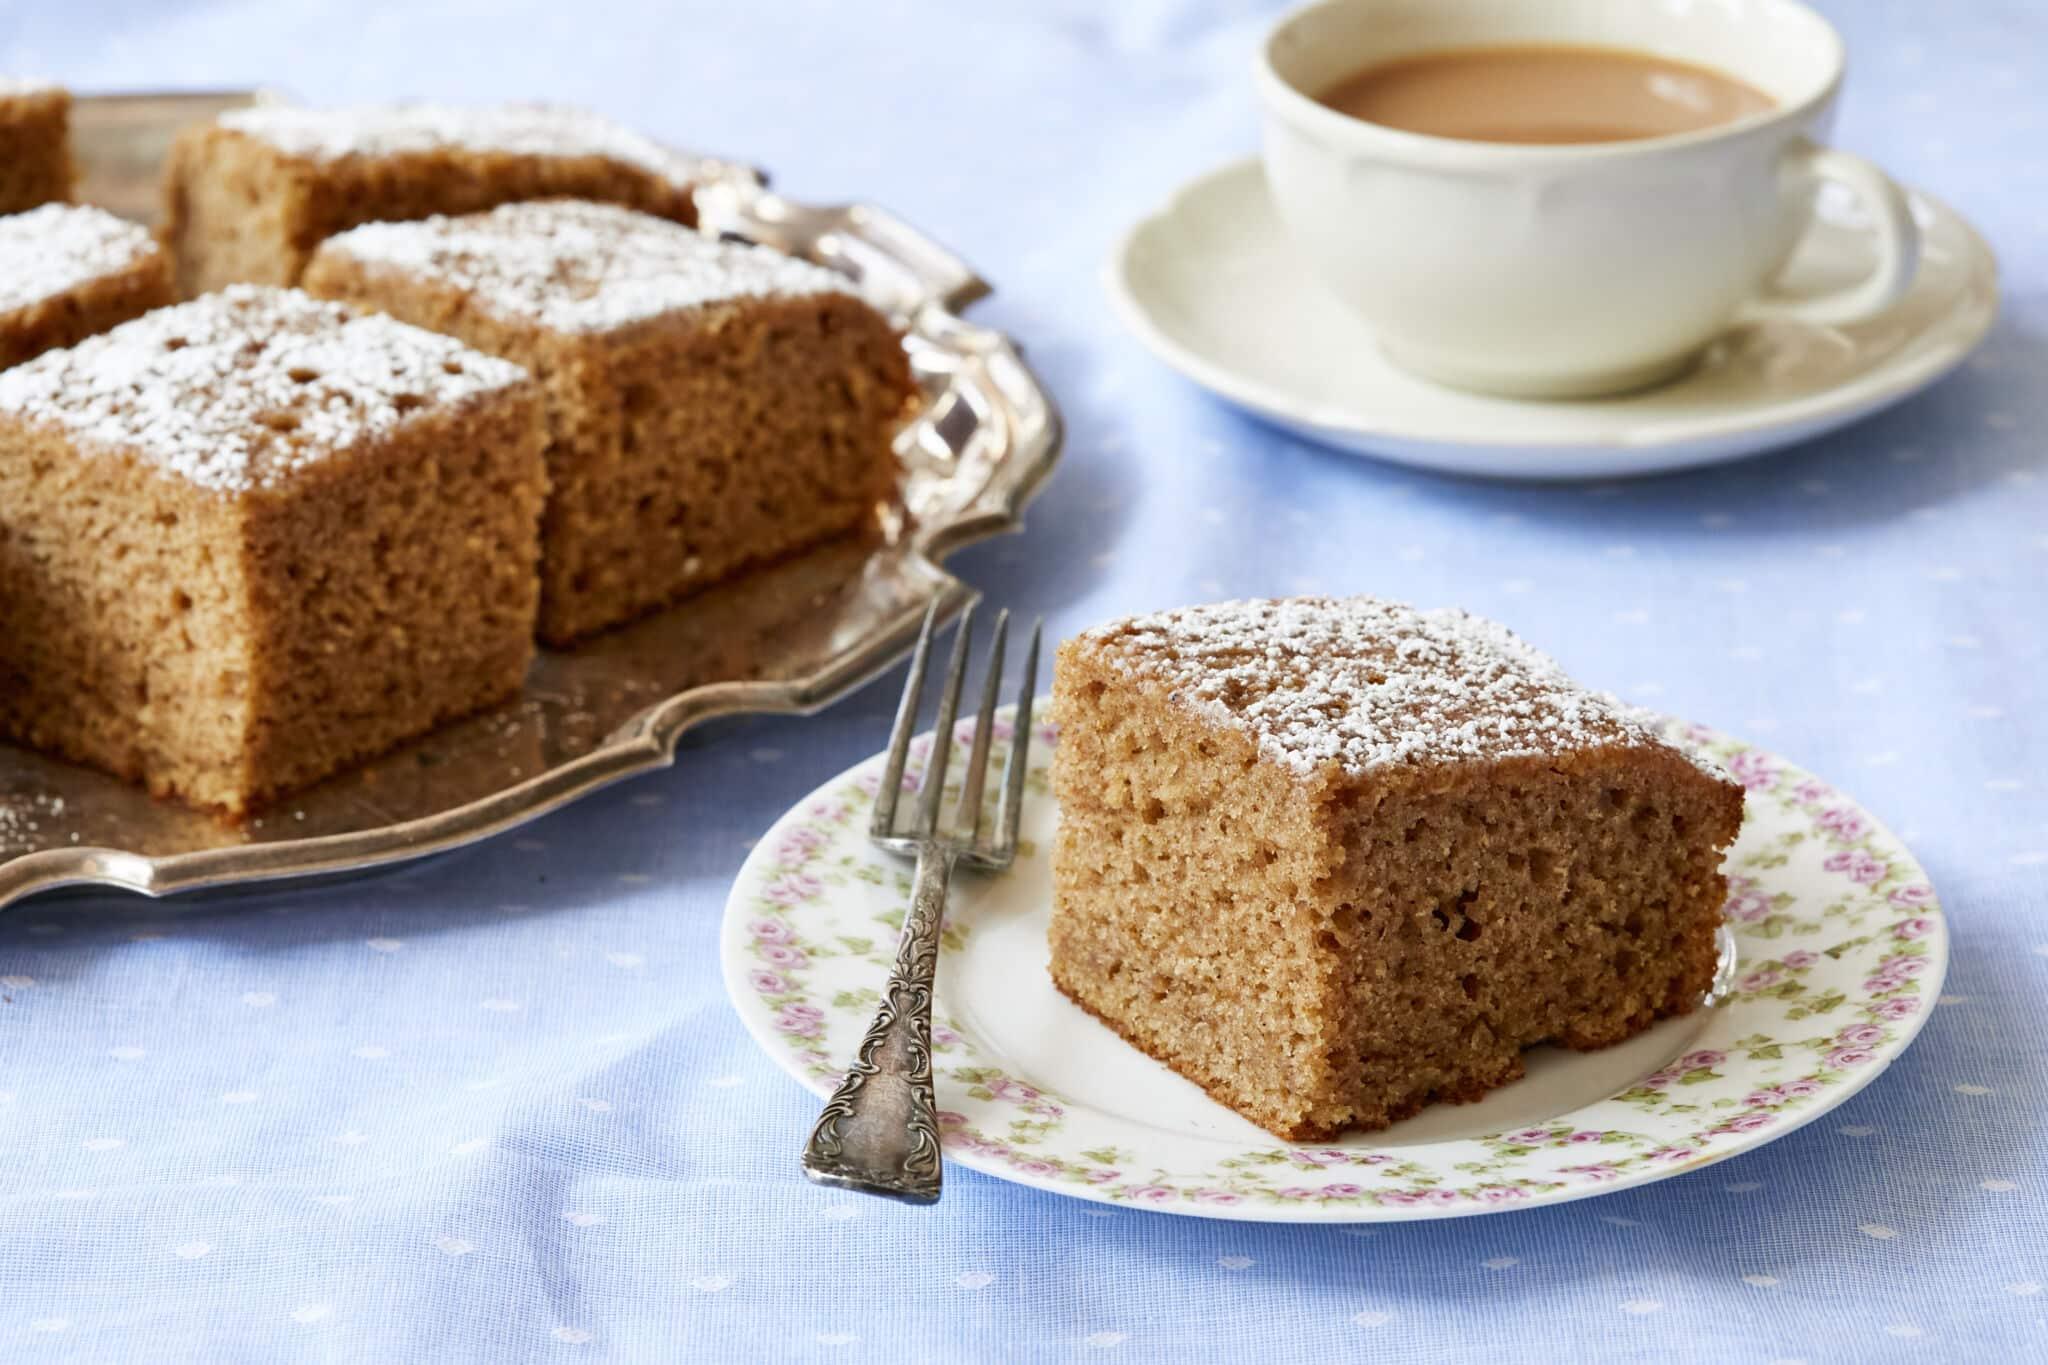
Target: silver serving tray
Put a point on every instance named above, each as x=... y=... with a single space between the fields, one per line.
x=790 y=639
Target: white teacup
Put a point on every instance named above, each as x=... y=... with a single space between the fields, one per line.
x=1570 y=269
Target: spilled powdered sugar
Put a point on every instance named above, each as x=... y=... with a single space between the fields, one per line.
x=56 y=248
x=1360 y=684
x=581 y=267
x=402 y=129
x=236 y=390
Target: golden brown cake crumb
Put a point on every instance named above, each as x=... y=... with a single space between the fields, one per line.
x=35 y=144
x=251 y=539
x=68 y=272
x=714 y=405
x=1337 y=859
x=249 y=196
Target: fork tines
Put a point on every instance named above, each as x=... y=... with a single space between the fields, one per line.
x=998 y=845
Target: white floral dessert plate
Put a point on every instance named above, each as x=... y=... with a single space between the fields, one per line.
x=1833 y=952
x=1210 y=284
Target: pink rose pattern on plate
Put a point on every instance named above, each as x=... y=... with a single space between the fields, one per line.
x=1840 y=977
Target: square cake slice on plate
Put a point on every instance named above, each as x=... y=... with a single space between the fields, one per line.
x=1337 y=859
x=68 y=272
x=35 y=144
x=249 y=196
x=714 y=405
x=248 y=540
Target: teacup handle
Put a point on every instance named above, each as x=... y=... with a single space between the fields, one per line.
x=1898 y=245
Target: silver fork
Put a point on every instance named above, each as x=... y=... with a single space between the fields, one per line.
x=879 y=1133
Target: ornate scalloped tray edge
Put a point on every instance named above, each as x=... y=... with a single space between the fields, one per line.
x=790 y=639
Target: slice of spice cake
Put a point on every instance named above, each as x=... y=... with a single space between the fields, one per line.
x=1337 y=859
x=68 y=272
x=713 y=405
x=249 y=196
x=248 y=540
x=35 y=144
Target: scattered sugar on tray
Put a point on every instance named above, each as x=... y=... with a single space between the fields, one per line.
x=56 y=248
x=21 y=818
x=400 y=129
x=584 y=267
x=235 y=390
x=1361 y=684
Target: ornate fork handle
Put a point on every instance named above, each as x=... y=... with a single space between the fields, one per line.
x=879 y=1133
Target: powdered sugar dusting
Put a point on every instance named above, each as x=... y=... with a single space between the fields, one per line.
x=237 y=390
x=56 y=248
x=1357 y=684
x=576 y=266
x=13 y=87
x=409 y=129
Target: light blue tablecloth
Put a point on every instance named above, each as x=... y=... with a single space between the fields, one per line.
x=495 y=1108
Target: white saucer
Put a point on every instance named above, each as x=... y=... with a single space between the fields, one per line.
x=1832 y=956
x=1210 y=283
